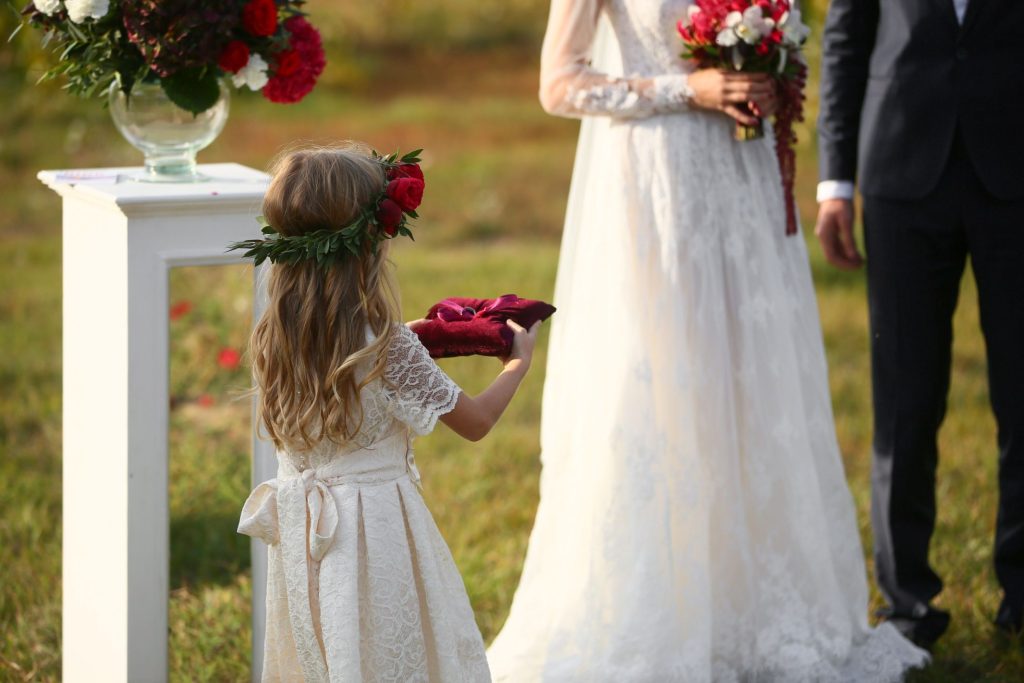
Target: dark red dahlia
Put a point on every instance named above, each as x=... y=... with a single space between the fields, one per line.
x=304 y=41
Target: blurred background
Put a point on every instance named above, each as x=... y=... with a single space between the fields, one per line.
x=458 y=77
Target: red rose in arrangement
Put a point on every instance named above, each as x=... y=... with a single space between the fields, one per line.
x=406 y=192
x=229 y=358
x=406 y=171
x=304 y=41
x=260 y=17
x=234 y=56
x=389 y=215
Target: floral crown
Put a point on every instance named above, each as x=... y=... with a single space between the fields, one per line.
x=386 y=216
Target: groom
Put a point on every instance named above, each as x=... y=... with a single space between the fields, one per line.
x=922 y=103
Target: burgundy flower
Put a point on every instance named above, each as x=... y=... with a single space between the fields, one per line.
x=176 y=35
x=234 y=56
x=205 y=400
x=389 y=215
x=304 y=41
x=260 y=17
x=406 y=192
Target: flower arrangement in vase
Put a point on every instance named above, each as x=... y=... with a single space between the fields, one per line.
x=165 y=65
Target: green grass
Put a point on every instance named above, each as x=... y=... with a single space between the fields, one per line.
x=498 y=178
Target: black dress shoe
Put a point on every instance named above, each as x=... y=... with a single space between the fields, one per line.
x=921 y=630
x=1010 y=620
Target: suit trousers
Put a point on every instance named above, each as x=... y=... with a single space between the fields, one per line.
x=916 y=254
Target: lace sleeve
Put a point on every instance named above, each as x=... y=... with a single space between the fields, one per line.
x=419 y=391
x=569 y=86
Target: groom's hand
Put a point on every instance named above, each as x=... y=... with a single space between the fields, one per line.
x=835 y=232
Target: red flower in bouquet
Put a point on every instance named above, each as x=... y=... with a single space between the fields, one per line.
x=234 y=56
x=406 y=192
x=260 y=17
x=304 y=41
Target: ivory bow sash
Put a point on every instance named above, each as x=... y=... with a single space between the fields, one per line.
x=276 y=513
x=283 y=505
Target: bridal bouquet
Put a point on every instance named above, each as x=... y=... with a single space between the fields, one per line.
x=756 y=36
x=185 y=45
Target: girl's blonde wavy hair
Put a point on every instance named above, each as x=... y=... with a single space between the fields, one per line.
x=310 y=346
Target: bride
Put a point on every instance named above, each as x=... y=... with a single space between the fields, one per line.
x=694 y=523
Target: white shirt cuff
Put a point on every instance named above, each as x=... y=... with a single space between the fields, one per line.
x=835 y=189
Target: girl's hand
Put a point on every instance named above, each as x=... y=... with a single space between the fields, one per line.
x=473 y=417
x=413 y=324
x=522 y=346
x=733 y=93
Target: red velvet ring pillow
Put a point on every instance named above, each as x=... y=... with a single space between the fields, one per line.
x=478 y=327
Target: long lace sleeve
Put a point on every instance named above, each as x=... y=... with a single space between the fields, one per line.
x=419 y=391
x=571 y=87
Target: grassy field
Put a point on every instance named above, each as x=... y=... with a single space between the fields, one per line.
x=499 y=171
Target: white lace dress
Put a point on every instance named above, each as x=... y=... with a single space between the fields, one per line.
x=694 y=521
x=370 y=593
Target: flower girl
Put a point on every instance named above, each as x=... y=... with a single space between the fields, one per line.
x=361 y=585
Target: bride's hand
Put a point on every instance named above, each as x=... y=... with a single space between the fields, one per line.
x=735 y=94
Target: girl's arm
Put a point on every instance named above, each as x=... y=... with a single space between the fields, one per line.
x=473 y=417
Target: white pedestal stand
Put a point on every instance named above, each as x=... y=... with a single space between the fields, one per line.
x=121 y=239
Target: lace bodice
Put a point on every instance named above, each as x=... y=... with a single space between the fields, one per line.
x=413 y=394
x=656 y=80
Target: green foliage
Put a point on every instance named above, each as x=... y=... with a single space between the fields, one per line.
x=194 y=90
x=93 y=55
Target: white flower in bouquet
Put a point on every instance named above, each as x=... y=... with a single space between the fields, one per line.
x=47 y=7
x=754 y=26
x=727 y=36
x=253 y=74
x=794 y=30
x=80 y=10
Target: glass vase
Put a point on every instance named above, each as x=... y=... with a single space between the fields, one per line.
x=166 y=134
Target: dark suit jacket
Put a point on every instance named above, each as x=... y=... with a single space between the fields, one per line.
x=899 y=76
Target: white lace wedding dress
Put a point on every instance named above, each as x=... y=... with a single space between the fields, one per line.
x=370 y=593
x=694 y=521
